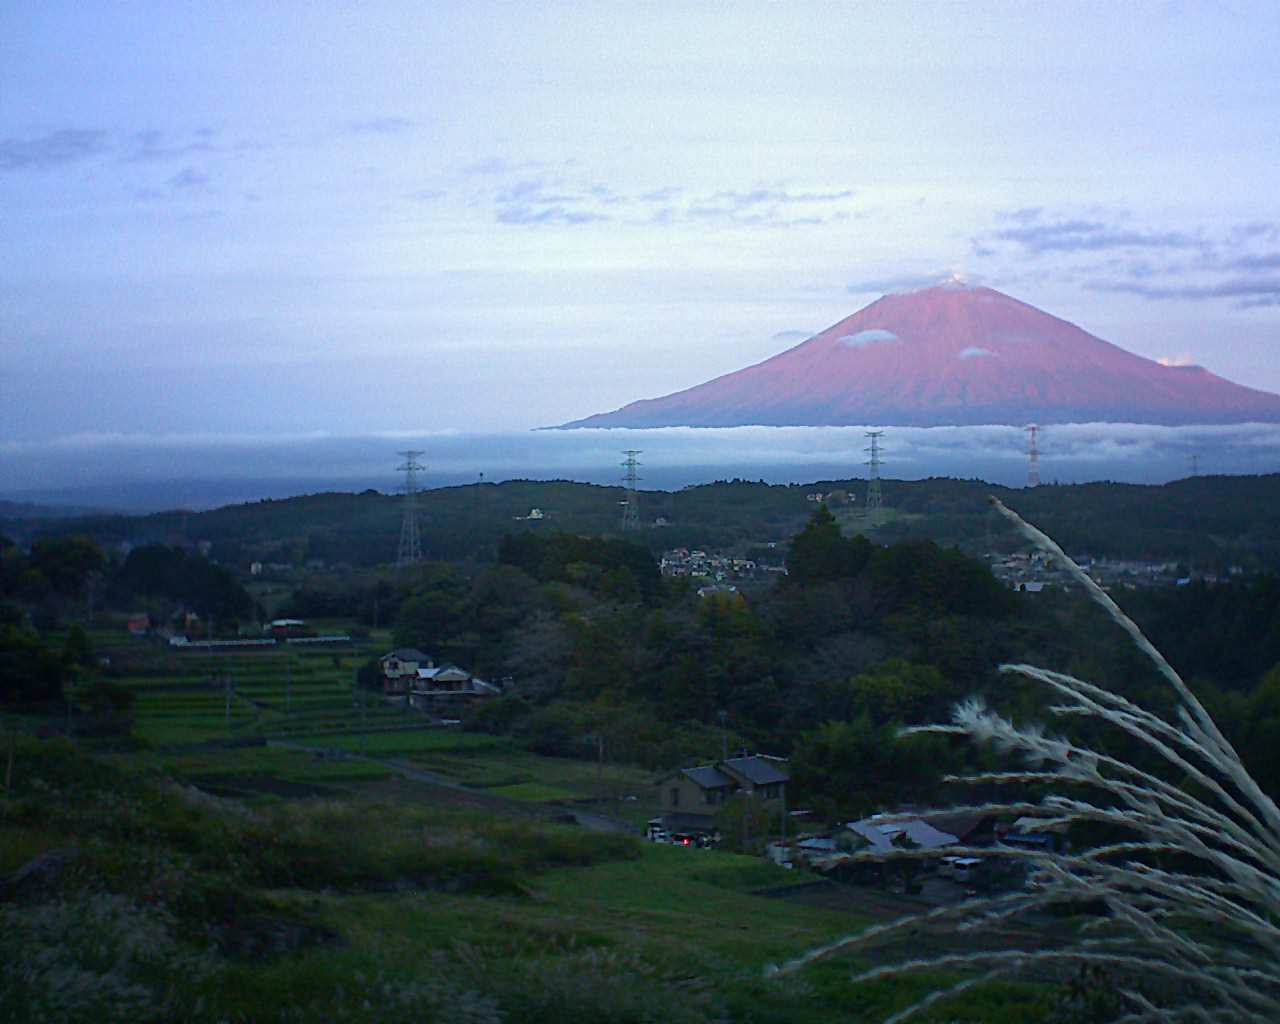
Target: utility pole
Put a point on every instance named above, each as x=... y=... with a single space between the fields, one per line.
x=355 y=689
x=871 y=511
x=410 y=545
x=783 y=822
x=630 y=506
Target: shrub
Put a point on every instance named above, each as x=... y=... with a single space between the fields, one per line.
x=94 y=957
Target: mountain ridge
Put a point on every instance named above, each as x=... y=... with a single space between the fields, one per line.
x=951 y=355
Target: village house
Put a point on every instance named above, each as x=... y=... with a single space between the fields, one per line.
x=435 y=688
x=689 y=798
x=414 y=678
x=400 y=669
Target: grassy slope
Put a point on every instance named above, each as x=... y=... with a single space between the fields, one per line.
x=372 y=908
x=388 y=900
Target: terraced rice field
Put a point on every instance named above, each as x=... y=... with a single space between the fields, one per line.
x=192 y=697
x=187 y=704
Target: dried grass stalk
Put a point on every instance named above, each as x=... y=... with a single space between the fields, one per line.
x=1193 y=894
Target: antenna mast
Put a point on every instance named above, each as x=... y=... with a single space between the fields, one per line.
x=410 y=546
x=1033 y=456
x=630 y=507
x=871 y=511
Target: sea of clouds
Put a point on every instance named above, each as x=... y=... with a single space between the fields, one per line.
x=135 y=471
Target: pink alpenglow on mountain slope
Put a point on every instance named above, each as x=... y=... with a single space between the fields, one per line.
x=952 y=355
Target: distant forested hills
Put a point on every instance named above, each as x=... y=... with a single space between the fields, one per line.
x=1208 y=523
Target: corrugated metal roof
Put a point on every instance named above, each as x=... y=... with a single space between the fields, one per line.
x=881 y=834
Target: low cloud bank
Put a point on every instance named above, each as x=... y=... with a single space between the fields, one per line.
x=138 y=471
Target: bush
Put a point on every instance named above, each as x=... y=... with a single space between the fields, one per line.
x=93 y=957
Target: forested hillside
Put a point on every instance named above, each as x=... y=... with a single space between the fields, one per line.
x=1208 y=523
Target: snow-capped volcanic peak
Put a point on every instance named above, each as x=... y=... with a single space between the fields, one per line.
x=951 y=354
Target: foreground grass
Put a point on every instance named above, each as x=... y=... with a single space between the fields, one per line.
x=178 y=906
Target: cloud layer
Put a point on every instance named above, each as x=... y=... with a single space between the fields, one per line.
x=672 y=457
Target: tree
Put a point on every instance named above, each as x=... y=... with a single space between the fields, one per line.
x=66 y=562
x=898 y=690
x=426 y=620
x=29 y=672
x=864 y=767
x=77 y=650
x=746 y=824
x=821 y=553
x=155 y=570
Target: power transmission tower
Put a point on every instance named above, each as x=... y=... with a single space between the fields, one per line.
x=871 y=512
x=1033 y=456
x=410 y=546
x=1194 y=460
x=630 y=505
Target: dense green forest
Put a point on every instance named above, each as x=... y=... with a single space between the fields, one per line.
x=1208 y=523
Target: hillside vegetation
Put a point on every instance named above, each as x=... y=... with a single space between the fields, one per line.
x=150 y=901
x=1207 y=522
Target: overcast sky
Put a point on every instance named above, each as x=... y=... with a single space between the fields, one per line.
x=243 y=218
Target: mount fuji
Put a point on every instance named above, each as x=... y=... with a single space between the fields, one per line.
x=946 y=356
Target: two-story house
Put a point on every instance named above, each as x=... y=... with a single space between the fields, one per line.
x=400 y=669
x=690 y=797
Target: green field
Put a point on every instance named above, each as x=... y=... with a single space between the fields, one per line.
x=307 y=698
x=400 y=908
x=286 y=765
x=402 y=742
